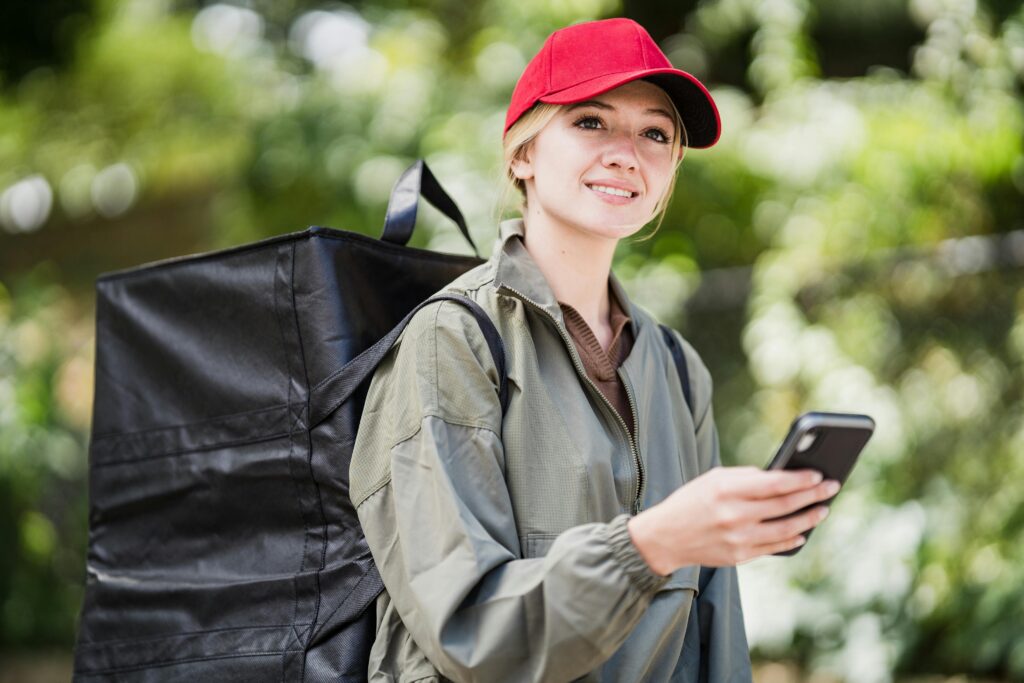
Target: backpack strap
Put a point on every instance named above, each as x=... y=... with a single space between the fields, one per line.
x=415 y=181
x=681 y=367
x=339 y=386
x=706 y=573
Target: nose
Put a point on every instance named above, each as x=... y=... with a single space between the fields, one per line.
x=620 y=152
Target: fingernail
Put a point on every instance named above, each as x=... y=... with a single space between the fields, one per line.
x=816 y=477
x=832 y=488
x=822 y=513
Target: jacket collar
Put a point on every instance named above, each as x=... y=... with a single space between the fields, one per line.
x=515 y=269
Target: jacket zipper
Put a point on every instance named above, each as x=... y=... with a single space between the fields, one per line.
x=578 y=363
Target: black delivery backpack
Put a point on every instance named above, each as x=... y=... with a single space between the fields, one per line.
x=223 y=545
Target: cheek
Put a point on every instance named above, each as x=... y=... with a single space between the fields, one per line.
x=561 y=165
x=659 y=172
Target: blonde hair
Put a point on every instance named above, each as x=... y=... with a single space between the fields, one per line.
x=522 y=133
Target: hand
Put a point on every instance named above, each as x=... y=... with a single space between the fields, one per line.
x=727 y=516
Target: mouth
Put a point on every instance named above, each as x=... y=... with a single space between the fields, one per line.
x=612 y=191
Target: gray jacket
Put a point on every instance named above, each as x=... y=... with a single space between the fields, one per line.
x=501 y=538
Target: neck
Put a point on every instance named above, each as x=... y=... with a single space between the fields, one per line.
x=576 y=265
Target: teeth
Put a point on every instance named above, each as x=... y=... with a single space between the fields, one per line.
x=611 y=190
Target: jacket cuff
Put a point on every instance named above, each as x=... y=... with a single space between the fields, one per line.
x=629 y=558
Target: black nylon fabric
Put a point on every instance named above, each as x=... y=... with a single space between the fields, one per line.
x=681 y=368
x=222 y=541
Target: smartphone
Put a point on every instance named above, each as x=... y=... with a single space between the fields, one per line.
x=827 y=442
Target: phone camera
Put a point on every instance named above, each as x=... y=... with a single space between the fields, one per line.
x=806 y=441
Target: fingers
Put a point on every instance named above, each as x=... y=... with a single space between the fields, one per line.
x=779 y=546
x=731 y=509
x=769 y=538
x=784 y=531
x=784 y=505
x=753 y=538
x=753 y=483
x=753 y=512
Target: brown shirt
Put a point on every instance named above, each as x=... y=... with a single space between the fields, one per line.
x=601 y=365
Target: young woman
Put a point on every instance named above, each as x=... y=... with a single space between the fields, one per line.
x=564 y=539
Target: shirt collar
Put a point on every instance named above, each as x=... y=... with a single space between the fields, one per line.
x=516 y=270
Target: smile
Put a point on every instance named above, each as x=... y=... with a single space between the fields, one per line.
x=612 y=191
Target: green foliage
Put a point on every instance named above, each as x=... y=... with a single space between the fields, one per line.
x=44 y=356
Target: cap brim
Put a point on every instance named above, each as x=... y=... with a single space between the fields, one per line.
x=692 y=99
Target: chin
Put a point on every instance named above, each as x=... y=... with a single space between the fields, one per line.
x=605 y=223
x=617 y=223
x=614 y=229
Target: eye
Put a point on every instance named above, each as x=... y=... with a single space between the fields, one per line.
x=586 y=121
x=659 y=135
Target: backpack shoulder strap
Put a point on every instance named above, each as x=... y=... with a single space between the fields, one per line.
x=494 y=342
x=681 y=367
x=706 y=573
x=339 y=386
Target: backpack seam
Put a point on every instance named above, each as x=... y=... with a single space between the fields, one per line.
x=96 y=644
x=107 y=436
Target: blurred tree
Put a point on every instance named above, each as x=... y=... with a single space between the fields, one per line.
x=44 y=356
x=40 y=34
x=853 y=38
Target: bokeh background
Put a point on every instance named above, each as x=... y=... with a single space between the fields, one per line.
x=854 y=242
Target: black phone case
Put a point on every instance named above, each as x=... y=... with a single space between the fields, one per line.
x=840 y=439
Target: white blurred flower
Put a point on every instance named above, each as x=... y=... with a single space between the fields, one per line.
x=228 y=30
x=25 y=205
x=114 y=189
x=329 y=38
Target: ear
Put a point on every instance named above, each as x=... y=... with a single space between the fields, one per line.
x=522 y=166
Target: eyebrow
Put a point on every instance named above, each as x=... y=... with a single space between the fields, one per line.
x=601 y=105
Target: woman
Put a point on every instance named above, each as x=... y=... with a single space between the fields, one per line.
x=564 y=538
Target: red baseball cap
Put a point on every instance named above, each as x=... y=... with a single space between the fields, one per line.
x=583 y=60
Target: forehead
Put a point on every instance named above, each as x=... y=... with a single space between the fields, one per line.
x=636 y=95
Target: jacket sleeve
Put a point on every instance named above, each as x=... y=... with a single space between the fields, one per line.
x=428 y=483
x=715 y=648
